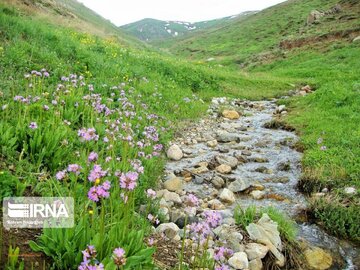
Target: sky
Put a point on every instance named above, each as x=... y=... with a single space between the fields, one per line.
x=122 y=12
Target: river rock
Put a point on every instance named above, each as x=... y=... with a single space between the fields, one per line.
x=224 y=169
x=227 y=196
x=227 y=160
x=255 y=264
x=263 y=169
x=169 y=229
x=350 y=190
x=215 y=204
x=174 y=152
x=173 y=184
x=231 y=114
x=239 y=185
x=257 y=194
x=265 y=232
x=169 y=196
x=256 y=251
x=230 y=236
x=200 y=170
x=218 y=182
x=223 y=136
x=318 y=259
x=239 y=261
x=212 y=143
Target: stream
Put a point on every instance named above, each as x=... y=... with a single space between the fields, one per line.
x=268 y=164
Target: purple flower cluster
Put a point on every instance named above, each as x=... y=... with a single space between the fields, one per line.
x=88 y=134
x=89 y=260
x=191 y=200
x=222 y=253
x=213 y=218
x=199 y=231
x=128 y=180
x=119 y=257
x=93 y=156
x=75 y=168
x=96 y=173
x=99 y=192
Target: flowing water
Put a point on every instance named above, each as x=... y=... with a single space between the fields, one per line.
x=272 y=163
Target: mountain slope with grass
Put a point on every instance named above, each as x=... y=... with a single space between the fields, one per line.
x=152 y=30
x=316 y=42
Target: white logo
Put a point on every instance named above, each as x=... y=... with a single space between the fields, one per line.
x=38 y=212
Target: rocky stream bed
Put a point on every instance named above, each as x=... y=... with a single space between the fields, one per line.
x=230 y=159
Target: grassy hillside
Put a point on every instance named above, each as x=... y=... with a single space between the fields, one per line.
x=70 y=13
x=279 y=42
x=151 y=30
x=262 y=33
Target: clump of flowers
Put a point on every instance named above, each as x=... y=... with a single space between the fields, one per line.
x=75 y=168
x=93 y=156
x=89 y=260
x=119 y=257
x=191 y=200
x=88 y=134
x=60 y=175
x=222 y=253
x=99 y=192
x=150 y=193
x=96 y=173
x=129 y=180
x=213 y=218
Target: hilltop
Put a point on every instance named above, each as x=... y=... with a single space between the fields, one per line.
x=152 y=30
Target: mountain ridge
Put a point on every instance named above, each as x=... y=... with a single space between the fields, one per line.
x=152 y=30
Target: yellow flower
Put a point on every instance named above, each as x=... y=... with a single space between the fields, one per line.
x=97 y=181
x=91 y=212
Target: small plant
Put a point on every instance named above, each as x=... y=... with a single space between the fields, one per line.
x=13 y=259
x=245 y=217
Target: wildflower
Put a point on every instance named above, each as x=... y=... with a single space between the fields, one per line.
x=153 y=219
x=222 y=253
x=199 y=231
x=128 y=180
x=4 y=107
x=323 y=148
x=191 y=200
x=89 y=260
x=75 y=168
x=320 y=140
x=88 y=134
x=222 y=267
x=96 y=172
x=108 y=159
x=91 y=212
x=213 y=218
x=119 y=256
x=93 y=156
x=151 y=193
x=60 y=175
x=46 y=107
x=99 y=192
x=151 y=241
x=33 y=125
x=54 y=102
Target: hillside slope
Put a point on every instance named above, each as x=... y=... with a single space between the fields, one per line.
x=151 y=30
x=262 y=33
x=71 y=13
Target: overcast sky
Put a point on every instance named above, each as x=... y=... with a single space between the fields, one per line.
x=121 y=12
